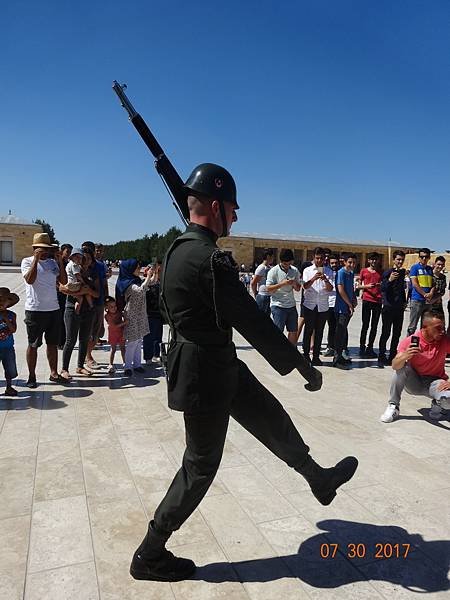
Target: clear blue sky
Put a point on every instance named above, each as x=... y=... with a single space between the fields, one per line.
x=333 y=115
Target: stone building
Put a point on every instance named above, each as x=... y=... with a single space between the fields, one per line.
x=247 y=248
x=16 y=237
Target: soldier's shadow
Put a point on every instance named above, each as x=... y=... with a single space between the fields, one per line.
x=420 y=567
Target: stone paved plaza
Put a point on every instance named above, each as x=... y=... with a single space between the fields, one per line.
x=82 y=468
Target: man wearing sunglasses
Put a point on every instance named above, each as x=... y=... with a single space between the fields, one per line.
x=422 y=288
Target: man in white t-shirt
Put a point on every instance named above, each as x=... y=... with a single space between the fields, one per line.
x=258 y=283
x=42 y=312
x=317 y=286
x=333 y=263
x=281 y=282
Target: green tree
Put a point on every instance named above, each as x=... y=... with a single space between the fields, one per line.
x=145 y=249
x=47 y=228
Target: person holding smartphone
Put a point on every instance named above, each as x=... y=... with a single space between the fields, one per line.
x=370 y=284
x=317 y=286
x=419 y=368
x=393 y=307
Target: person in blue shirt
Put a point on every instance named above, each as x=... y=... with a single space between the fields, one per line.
x=421 y=275
x=344 y=307
x=8 y=327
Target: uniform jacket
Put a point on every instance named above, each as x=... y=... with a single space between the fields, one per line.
x=202 y=300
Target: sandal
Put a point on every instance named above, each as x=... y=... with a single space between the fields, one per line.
x=31 y=383
x=66 y=375
x=57 y=379
x=83 y=371
x=11 y=392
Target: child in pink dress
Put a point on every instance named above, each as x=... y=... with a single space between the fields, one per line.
x=116 y=323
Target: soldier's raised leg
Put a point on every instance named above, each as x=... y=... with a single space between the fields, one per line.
x=262 y=415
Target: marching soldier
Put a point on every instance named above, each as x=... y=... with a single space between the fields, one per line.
x=202 y=300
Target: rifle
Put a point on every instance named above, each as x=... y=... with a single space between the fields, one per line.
x=166 y=170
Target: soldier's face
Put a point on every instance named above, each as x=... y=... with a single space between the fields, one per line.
x=230 y=214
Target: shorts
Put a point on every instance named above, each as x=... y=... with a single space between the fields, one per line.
x=285 y=317
x=8 y=359
x=97 y=321
x=40 y=322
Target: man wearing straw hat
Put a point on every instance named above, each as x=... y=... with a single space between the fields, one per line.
x=42 y=312
x=8 y=327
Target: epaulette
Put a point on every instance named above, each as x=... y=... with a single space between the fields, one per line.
x=224 y=261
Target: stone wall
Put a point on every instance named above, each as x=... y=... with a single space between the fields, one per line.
x=247 y=250
x=21 y=237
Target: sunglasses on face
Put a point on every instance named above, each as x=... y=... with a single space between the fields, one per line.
x=424 y=256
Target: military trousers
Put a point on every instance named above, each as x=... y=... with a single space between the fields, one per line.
x=259 y=412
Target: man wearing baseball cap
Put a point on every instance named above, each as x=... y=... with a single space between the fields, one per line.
x=42 y=312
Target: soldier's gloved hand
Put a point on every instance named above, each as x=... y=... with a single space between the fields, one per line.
x=314 y=378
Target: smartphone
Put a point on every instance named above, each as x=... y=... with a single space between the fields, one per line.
x=320 y=270
x=415 y=342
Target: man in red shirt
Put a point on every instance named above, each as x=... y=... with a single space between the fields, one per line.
x=420 y=368
x=370 y=283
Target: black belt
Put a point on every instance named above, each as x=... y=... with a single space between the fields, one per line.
x=178 y=338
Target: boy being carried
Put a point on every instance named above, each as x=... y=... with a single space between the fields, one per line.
x=75 y=283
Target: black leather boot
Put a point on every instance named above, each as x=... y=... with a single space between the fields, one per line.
x=153 y=562
x=325 y=482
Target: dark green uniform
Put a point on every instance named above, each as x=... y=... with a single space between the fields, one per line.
x=203 y=300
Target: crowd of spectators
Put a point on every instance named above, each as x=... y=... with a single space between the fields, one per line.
x=329 y=295
x=67 y=301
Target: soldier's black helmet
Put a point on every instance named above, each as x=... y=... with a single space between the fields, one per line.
x=212 y=181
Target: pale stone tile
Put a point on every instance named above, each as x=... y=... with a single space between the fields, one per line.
x=27 y=431
x=59 y=471
x=414 y=444
x=237 y=535
x=269 y=579
x=153 y=408
x=255 y=494
x=106 y=474
x=14 y=536
x=201 y=590
x=117 y=530
x=58 y=425
x=400 y=579
x=16 y=485
x=125 y=415
x=60 y=534
x=175 y=450
x=66 y=583
x=97 y=432
x=286 y=535
x=167 y=430
x=232 y=457
x=344 y=507
x=3 y=412
x=150 y=466
x=331 y=579
x=214 y=577
x=194 y=531
x=282 y=477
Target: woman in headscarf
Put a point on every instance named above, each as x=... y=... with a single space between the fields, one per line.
x=131 y=294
